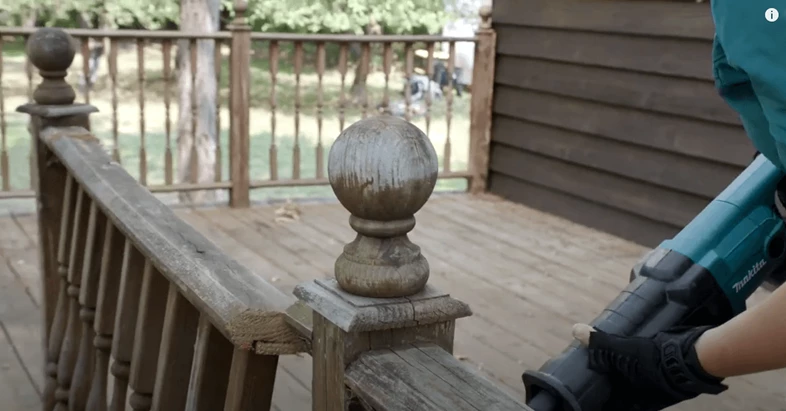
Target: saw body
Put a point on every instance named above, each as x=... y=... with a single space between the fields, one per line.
x=702 y=276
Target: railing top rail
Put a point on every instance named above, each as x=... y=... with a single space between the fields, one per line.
x=413 y=367
x=248 y=310
x=226 y=35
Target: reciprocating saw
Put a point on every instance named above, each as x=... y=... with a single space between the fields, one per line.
x=702 y=276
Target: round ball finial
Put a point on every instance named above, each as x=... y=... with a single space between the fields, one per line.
x=240 y=6
x=382 y=169
x=485 y=12
x=51 y=51
x=485 y=16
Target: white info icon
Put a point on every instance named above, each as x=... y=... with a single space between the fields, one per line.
x=771 y=15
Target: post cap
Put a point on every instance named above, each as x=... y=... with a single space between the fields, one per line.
x=51 y=49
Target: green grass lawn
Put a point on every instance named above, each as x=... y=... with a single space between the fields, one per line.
x=17 y=139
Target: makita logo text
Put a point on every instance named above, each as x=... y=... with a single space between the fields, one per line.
x=751 y=273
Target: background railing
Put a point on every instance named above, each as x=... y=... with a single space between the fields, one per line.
x=299 y=92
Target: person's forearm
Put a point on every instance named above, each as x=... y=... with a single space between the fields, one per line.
x=754 y=341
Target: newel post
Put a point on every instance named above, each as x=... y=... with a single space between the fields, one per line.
x=51 y=51
x=482 y=99
x=239 y=97
x=383 y=170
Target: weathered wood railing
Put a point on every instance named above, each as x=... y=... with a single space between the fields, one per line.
x=185 y=325
x=188 y=328
x=291 y=89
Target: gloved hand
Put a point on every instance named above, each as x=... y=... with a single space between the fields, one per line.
x=649 y=374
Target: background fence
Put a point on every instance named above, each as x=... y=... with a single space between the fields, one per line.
x=298 y=91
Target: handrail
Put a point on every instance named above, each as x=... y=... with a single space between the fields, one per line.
x=248 y=310
x=424 y=374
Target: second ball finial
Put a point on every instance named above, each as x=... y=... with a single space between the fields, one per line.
x=52 y=51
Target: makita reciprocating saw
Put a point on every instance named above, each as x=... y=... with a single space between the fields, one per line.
x=702 y=276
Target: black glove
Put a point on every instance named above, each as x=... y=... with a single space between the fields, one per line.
x=652 y=373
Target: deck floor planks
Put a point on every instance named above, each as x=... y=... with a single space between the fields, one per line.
x=21 y=345
x=20 y=320
x=513 y=268
x=28 y=224
x=521 y=230
x=16 y=391
x=487 y=252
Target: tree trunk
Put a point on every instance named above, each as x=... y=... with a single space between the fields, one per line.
x=31 y=19
x=197 y=145
x=358 y=89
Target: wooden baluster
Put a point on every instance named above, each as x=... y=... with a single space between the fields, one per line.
x=296 y=148
x=85 y=52
x=320 y=108
x=140 y=71
x=251 y=380
x=342 y=97
x=4 y=166
x=70 y=350
x=125 y=323
x=193 y=163
x=218 y=58
x=106 y=307
x=239 y=102
x=112 y=63
x=365 y=61
x=429 y=92
x=409 y=67
x=147 y=338
x=88 y=292
x=207 y=386
x=273 y=61
x=30 y=97
x=446 y=156
x=387 y=62
x=57 y=333
x=177 y=352
x=167 y=56
x=29 y=74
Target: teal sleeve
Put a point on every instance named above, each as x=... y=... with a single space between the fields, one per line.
x=749 y=62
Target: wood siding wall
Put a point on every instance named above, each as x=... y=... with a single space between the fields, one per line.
x=605 y=113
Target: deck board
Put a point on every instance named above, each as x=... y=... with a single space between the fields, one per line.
x=21 y=360
x=527 y=275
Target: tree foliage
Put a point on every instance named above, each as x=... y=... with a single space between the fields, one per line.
x=348 y=16
x=303 y=16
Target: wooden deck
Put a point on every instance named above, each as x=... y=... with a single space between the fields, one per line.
x=527 y=275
